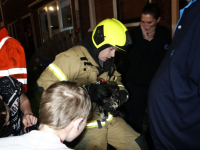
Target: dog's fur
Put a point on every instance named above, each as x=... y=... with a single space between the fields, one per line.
x=111 y=102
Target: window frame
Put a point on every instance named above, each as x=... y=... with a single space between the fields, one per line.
x=13 y=32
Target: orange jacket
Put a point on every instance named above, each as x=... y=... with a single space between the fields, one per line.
x=12 y=59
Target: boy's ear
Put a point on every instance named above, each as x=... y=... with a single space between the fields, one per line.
x=77 y=123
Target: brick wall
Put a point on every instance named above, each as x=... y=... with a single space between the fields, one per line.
x=15 y=9
x=84 y=18
x=165 y=7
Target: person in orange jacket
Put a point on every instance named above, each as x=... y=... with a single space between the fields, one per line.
x=12 y=57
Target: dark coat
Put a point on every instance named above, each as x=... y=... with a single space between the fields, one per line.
x=145 y=56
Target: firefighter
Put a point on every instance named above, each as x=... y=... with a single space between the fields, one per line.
x=84 y=63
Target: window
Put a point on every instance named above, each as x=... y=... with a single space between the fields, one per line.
x=66 y=17
x=12 y=29
x=44 y=24
x=54 y=18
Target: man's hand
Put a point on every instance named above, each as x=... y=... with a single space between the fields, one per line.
x=28 y=120
x=150 y=35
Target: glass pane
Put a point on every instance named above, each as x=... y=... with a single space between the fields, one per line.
x=44 y=24
x=53 y=19
x=66 y=13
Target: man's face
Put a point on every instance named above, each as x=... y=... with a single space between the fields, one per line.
x=107 y=53
x=148 y=22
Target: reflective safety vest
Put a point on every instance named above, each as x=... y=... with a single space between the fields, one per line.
x=20 y=73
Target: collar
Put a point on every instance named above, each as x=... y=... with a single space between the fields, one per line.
x=61 y=141
x=182 y=10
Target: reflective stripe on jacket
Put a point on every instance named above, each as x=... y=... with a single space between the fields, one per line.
x=93 y=124
x=58 y=73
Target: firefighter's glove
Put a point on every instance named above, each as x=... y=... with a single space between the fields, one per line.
x=96 y=92
x=123 y=97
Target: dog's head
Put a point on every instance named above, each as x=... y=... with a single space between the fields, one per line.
x=112 y=99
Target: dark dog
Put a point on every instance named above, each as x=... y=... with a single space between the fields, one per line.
x=111 y=102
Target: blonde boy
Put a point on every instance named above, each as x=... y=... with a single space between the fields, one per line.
x=63 y=113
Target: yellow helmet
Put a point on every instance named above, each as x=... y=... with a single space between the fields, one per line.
x=111 y=32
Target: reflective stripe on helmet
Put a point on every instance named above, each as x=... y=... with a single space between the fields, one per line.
x=57 y=72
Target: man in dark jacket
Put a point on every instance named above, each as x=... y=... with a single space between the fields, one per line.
x=174 y=93
x=150 y=43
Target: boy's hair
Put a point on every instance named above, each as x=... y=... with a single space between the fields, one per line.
x=63 y=102
x=152 y=9
x=3 y=114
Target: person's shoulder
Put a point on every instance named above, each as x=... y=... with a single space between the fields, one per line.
x=13 y=40
x=8 y=79
x=136 y=33
x=135 y=30
x=72 y=52
x=13 y=44
x=162 y=28
x=12 y=83
x=11 y=142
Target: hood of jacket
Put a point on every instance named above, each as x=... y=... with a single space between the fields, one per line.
x=94 y=52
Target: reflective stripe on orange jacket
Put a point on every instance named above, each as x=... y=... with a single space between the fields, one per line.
x=12 y=59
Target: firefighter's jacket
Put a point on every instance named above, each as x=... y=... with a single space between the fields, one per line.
x=12 y=58
x=75 y=64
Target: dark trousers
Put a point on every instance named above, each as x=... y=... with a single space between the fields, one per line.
x=135 y=110
x=135 y=106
